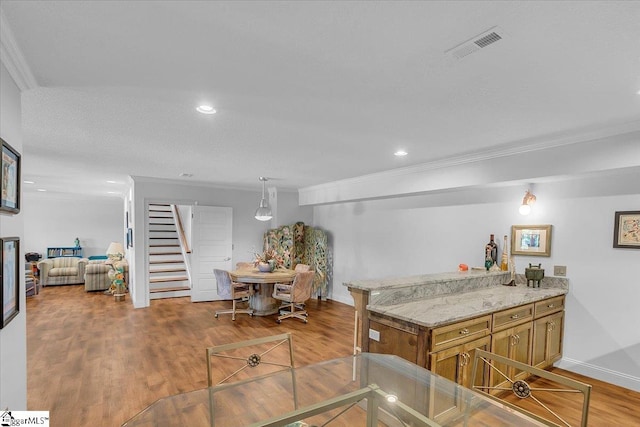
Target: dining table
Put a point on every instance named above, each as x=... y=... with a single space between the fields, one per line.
x=262 y=301
x=366 y=389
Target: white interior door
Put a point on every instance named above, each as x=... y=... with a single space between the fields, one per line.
x=211 y=237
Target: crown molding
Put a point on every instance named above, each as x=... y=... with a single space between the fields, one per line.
x=12 y=58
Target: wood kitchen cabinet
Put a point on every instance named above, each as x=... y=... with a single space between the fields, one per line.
x=456 y=364
x=514 y=343
x=512 y=337
x=547 y=340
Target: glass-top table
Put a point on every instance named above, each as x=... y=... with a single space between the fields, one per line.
x=364 y=390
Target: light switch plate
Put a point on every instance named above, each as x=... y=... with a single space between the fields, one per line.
x=374 y=335
x=560 y=270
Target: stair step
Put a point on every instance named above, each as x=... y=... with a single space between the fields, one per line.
x=162 y=231
x=164 y=246
x=164 y=238
x=169 y=289
x=165 y=253
x=168 y=261
x=167 y=279
x=168 y=270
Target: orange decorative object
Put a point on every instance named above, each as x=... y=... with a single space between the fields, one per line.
x=463 y=267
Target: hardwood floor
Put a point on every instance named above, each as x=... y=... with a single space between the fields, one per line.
x=94 y=362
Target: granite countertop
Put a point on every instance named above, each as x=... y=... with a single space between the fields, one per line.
x=379 y=284
x=445 y=309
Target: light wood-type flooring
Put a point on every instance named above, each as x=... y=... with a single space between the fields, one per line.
x=92 y=361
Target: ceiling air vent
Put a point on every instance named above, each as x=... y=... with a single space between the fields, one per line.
x=476 y=43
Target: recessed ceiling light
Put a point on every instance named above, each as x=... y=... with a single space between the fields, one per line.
x=111 y=182
x=186 y=175
x=400 y=153
x=206 y=109
x=638 y=92
x=41 y=189
x=112 y=192
x=29 y=182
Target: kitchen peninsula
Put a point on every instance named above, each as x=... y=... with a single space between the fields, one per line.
x=438 y=320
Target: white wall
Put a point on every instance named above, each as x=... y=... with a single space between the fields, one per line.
x=430 y=234
x=56 y=220
x=13 y=337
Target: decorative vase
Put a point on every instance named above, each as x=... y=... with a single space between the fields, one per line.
x=264 y=267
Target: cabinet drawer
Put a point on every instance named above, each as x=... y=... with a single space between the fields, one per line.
x=459 y=333
x=550 y=305
x=513 y=316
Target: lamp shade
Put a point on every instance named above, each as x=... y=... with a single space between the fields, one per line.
x=263 y=213
x=115 y=249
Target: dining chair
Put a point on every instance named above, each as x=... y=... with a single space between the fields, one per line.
x=302 y=267
x=234 y=361
x=244 y=265
x=237 y=292
x=294 y=295
x=539 y=395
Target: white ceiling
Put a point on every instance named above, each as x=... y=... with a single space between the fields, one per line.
x=306 y=92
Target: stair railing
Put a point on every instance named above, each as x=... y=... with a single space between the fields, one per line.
x=184 y=243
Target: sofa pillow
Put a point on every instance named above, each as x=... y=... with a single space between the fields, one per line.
x=63 y=271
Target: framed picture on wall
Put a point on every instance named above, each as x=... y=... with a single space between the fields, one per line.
x=10 y=166
x=10 y=296
x=532 y=240
x=129 y=238
x=626 y=230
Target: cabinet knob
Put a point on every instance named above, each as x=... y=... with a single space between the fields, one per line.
x=515 y=316
x=464 y=331
x=551 y=305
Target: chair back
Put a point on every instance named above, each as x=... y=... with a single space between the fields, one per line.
x=240 y=360
x=547 y=386
x=302 y=267
x=301 y=288
x=223 y=283
x=244 y=266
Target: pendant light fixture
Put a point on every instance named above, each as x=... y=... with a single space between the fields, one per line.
x=263 y=213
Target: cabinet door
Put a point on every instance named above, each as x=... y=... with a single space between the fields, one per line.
x=448 y=364
x=456 y=364
x=554 y=345
x=501 y=343
x=482 y=373
x=513 y=343
x=521 y=349
x=547 y=343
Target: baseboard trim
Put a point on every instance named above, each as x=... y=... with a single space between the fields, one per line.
x=603 y=374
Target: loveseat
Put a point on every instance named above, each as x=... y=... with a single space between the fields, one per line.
x=62 y=271
x=96 y=275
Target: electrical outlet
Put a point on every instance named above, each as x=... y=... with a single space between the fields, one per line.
x=560 y=270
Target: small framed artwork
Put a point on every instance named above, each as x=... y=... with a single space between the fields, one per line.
x=129 y=238
x=10 y=296
x=532 y=240
x=626 y=230
x=10 y=199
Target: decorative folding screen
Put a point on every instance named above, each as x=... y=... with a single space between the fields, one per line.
x=302 y=244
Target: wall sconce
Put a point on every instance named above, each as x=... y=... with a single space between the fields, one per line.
x=527 y=201
x=263 y=213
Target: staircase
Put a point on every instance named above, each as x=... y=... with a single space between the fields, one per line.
x=168 y=276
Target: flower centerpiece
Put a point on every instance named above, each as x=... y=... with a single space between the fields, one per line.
x=268 y=260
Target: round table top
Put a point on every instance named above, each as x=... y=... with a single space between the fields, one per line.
x=281 y=275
